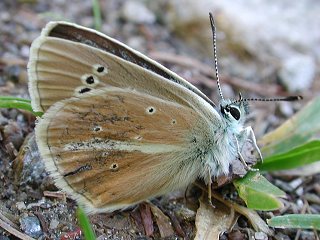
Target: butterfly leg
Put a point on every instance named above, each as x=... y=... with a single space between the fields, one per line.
x=209 y=186
x=248 y=132
x=240 y=155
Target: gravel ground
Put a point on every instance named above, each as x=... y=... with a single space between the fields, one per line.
x=29 y=201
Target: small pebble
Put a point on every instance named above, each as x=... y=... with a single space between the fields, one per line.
x=286 y=109
x=2 y=237
x=25 y=51
x=186 y=213
x=295 y=183
x=21 y=205
x=31 y=226
x=102 y=237
x=3 y=120
x=300 y=203
x=236 y=235
x=260 y=236
x=305 y=234
x=13 y=72
x=12 y=132
x=299 y=191
x=54 y=224
x=281 y=236
x=298 y=72
x=136 y=12
x=5 y=16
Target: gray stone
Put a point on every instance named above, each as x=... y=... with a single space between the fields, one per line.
x=260 y=236
x=137 y=12
x=266 y=34
x=297 y=72
x=31 y=226
x=54 y=224
x=2 y=237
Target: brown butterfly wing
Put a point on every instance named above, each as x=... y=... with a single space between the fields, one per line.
x=67 y=60
x=114 y=147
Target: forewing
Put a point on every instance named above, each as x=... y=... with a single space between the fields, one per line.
x=114 y=147
x=67 y=60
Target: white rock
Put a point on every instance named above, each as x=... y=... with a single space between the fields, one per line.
x=270 y=31
x=260 y=236
x=137 y=12
x=276 y=26
x=286 y=108
x=21 y=205
x=297 y=72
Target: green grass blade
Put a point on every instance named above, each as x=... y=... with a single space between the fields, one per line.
x=85 y=225
x=96 y=15
x=299 y=156
x=305 y=221
x=19 y=103
x=298 y=130
x=258 y=193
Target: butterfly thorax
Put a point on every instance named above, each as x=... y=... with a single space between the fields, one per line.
x=226 y=136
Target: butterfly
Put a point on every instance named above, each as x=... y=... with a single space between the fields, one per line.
x=120 y=128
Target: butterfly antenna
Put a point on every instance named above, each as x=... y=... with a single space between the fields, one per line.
x=213 y=28
x=284 y=99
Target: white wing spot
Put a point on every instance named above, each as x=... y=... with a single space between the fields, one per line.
x=139 y=138
x=150 y=110
x=97 y=129
x=114 y=167
x=105 y=154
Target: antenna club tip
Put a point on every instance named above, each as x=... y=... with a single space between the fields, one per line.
x=294 y=98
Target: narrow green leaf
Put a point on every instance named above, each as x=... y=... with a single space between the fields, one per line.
x=305 y=221
x=19 y=103
x=258 y=193
x=96 y=14
x=85 y=225
x=299 y=156
x=296 y=131
x=3 y=98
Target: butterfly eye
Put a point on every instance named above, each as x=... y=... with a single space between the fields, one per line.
x=235 y=113
x=225 y=109
x=231 y=110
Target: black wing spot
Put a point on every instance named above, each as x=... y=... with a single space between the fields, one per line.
x=84 y=90
x=100 y=69
x=114 y=167
x=90 y=80
x=83 y=168
x=151 y=110
x=97 y=128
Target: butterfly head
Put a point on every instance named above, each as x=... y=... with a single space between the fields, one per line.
x=234 y=112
